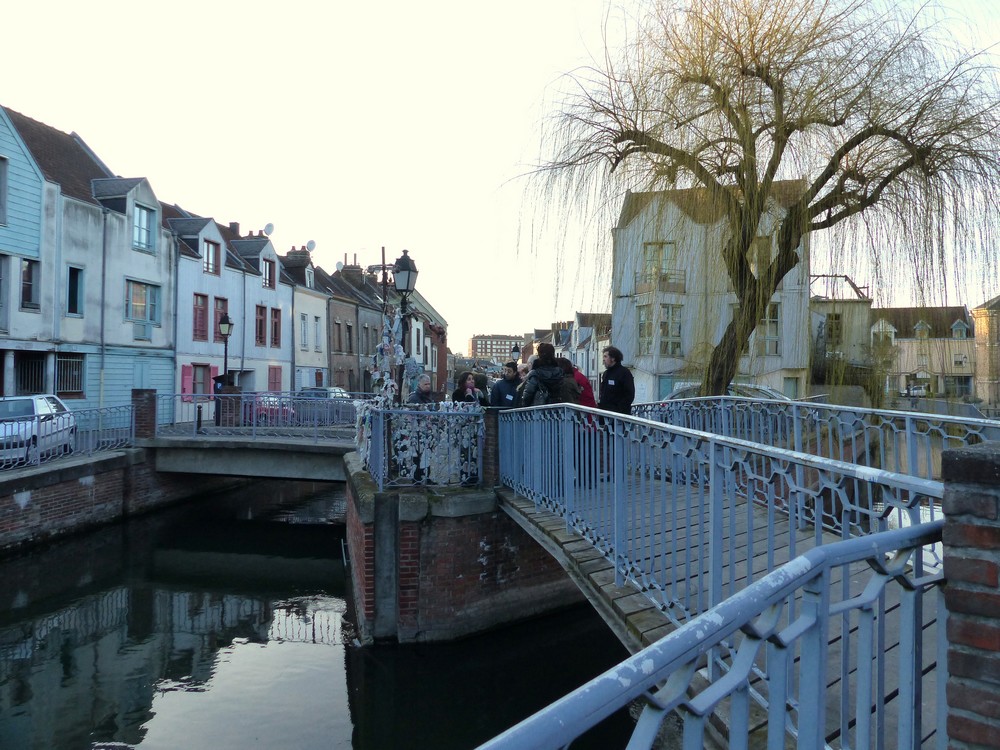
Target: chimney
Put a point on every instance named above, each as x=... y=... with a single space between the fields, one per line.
x=234 y=227
x=353 y=275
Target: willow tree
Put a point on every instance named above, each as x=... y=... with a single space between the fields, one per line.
x=890 y=123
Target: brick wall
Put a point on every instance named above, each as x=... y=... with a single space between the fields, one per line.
x=972 y=594
x=60 y=498
x=460 y=566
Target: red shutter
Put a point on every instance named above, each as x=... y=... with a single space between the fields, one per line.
x=274 y=378
x=187 y=380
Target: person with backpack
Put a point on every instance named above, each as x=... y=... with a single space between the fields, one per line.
x=544 y=382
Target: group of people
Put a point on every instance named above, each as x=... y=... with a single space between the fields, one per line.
x=546 y=380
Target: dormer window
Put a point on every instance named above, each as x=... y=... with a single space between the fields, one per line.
x=959 y=330
x=211 y=257
x=267 y=271
x=923 y=330
x=310 y=278
x=142 y=228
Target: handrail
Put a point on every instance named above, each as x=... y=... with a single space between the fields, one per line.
x=665 y=675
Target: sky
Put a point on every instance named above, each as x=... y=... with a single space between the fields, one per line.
x=355 y=125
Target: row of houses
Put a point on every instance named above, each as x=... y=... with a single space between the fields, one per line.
x=103 y=287
x=671 y=303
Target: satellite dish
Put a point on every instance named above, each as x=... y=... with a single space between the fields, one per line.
x=311 y=245
x=340 y=266
x=268 y=228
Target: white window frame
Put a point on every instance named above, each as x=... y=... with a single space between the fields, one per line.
x=303 y=331
x=212 y=258
x=143 y=228
x=670 y=330
x=644 y=328
x=769 y=330
x=151 y=303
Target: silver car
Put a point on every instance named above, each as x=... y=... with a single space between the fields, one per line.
x=33 y=427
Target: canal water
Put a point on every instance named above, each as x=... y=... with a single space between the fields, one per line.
x=224 y=624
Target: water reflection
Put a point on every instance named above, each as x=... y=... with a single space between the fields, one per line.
x=222 y=624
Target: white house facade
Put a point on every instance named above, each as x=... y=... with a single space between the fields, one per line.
x=672 y=300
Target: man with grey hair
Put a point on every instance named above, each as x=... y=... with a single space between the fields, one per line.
x=422 y=394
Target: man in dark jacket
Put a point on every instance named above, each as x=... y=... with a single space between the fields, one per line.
x=504 y=394
x=544 y=382
x=617 y=386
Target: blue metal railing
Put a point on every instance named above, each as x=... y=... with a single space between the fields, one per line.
x=438 y=444
x=773 y=645
x=35 y=440
x=904 y=442
x=251 y=413
x=690 y=518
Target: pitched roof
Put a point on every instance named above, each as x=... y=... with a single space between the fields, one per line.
x=187 y=227
x=939 y=319
x=700 y=204
x=63 y=157
x=993 y=304
x=113 y=187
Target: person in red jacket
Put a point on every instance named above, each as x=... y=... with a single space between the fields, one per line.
x=586 y=389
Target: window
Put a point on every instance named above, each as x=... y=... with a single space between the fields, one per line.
x=221 y=308
x=69 y=375
x=142 y=228
x=74 y=290
x=275 y=327
x=31 y=284
x=142 y=302
x=657 y=258
x=959 y=330
x=769 y=330
x=834 y=330
x=260 y=326
x=645 y=321
x=274 y=377
x=318 y=337
x=267 y=269
x=199 y=328
x=211 y=259
x=201 y=377
x=303 y=331
x=3 y=190
x=338 y=343
x=670 y=330
x=310 y=278
x=923 y=330
x=961 y=360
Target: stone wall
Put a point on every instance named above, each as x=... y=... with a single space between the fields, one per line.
x=431 y=565
x=972 y=594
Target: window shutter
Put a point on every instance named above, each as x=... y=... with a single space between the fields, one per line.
x=187 y=381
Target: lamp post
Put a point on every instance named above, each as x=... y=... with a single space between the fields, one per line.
x=225 y=330
x=515 y=352
x=404 y=278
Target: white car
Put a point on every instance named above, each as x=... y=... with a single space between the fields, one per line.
x=34 y=426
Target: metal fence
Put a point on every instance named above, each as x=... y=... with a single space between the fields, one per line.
x=31 y=441
x=692 y=518
x=436 y=444
x=762 y=660
x=252 y=414
x=900 y=441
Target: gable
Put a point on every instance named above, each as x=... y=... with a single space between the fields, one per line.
x=21 y=232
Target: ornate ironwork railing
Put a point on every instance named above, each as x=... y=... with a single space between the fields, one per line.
x=437 y=444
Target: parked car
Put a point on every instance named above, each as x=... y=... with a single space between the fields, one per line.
x=268 y=409
x=324 y=405
x=915 y=391
x=34 y=426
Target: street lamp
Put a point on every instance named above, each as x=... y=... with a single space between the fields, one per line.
x=404 y=278
x=225 y=330
x=515 y=352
